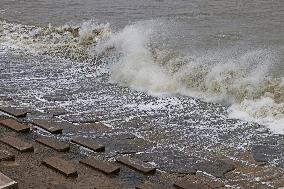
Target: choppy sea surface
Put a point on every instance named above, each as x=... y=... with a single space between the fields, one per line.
x=192 y=75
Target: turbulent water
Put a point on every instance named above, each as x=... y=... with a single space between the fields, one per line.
x=228 y=52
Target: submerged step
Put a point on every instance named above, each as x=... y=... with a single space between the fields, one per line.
x=48 y=125
x=6 y=156
x=14 y=111
x=89 y=143
x=54 y=144
x=137 y=164
x=102 y=166
x=17 y=143
x=64 y=167
x=14 y=125
x=7 y=183
x=217 y=168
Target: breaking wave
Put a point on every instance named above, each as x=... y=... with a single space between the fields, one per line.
x=240 y=77
x=72 y=41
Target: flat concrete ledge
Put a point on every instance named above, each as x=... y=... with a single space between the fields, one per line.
x=14 y=125
x=17 y=143
x=7 y=183
x=102 y=166
x=48 y=125
x=136 y=164
x=14 y=111
x=54 y=144
x=64 y=167
x=89 y=143
x=6 y=156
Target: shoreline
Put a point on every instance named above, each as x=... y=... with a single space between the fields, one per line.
x=217 y=173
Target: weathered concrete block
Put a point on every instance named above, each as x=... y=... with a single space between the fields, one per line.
x=17 y=144
x=14 y=125
x=7 y=183
x=48 y=125
x=136 y=164
x=89 y=143
x=102 y=166
x=54 y=144
x=14 y=111
x=64 y=167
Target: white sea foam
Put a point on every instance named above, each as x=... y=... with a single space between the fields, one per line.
x=239 y=77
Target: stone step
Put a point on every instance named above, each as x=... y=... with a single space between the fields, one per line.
x=137 y=164
x=7 y=183
x=64 y=167
x=89 y=143
x=54 y=144
x=48 y=125
x=6 y=156
x=14 y=125
x=14 y=111
x=18 y=144
x=102 y=166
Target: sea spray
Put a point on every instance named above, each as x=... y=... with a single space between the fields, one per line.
x=238 y=77
x=136 y=67
x=69 y=41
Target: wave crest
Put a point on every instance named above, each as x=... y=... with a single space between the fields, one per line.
x=238 y=76
x=69 y=41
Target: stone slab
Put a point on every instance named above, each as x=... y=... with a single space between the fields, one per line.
x=136 y=164
x=6 y=156
x=7 y=183
x=184 y=184
x=64 y=167
x=14 y=111
x=17 y=143
x=49 y=126
x=14 y=125
x=105 y=167
x=216 y=168
x=54 y=144
x=89 y=143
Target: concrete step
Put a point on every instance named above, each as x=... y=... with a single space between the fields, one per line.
x=54 y=144
x=6 y=156
x=64 y=167
x=14 y=125
x=14 y=111
x=48 y=125
x=136 y=164
x=7 y=183
x=105 y=167
x=89 y=143
x=17 y=143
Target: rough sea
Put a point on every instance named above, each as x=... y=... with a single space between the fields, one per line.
x=202 y=77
